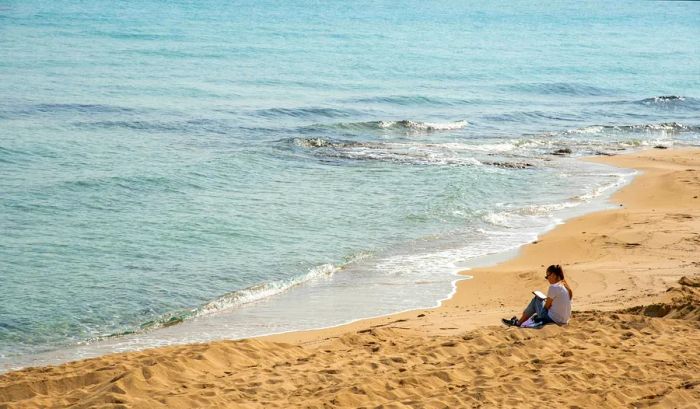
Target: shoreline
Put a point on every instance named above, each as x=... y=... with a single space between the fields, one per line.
x=471 y=297
x=495 y=260
x=609 y=267
x=141 y=341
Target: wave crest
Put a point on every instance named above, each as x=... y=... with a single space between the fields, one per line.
x=265 y=290
x=238 y=298
x=660 y=127
x=671 y=102
x=422 y=126
x=412 y=153
x=393 y=152
x=405 y=125
x=663 y=99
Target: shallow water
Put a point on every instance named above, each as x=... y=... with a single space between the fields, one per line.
x=260 y=167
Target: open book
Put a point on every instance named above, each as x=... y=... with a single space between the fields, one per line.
x=539 y=294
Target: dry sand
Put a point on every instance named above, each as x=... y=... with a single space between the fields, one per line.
x=634 y=339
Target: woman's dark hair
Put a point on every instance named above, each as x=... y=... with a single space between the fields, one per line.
x=556 y=269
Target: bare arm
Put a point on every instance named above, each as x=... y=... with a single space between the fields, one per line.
x=548 y=303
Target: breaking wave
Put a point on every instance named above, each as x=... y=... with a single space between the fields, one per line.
x=671 y=102
x=403 y=153
x=405 y=125
x=265 y=290
x=414 y=153
x=422 y=126
x=662 y=102
x=668 y=101
x=673 y=127
x=236 y=299
x=663 y=99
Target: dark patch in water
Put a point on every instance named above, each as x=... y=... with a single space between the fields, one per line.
x=177 y=54
x=562 y=152
x=135 y=36
x=81 y=108
x=304 y=112
x=192 y=125
x=529 y=116
x=325 y=143
x=510 y=165
x=139 y=184
x=137 y=125
x=71 y=108
x=412 y=100
x=163 y=321
x=10 y=155
x=561 y=88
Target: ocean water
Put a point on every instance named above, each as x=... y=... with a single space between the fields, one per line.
x=176 y=171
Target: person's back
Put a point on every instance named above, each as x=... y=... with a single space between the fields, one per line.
x=560 y=310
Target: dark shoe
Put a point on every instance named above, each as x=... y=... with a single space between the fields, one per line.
x=513 y=322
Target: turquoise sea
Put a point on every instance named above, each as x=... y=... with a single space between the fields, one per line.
x=175 y=171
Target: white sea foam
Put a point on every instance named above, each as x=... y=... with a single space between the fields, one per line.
x=516 y=216
x=423 y=126
x=425 y=267
x=408 y=153
x=258 y=292
x=546 y=209
x=539 y=214
x=441 y=126
x=588 y=130
x=659 y=127
x=663 y=99
x=604 y=189
x=501 y=219
x=486 y=147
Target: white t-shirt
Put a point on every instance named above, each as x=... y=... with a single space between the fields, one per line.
x=560 y=311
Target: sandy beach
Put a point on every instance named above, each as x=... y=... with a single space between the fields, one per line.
x=633 y=341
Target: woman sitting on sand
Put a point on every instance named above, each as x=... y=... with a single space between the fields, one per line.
x=555 y=308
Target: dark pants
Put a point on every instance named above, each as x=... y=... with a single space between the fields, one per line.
x=536 y=306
